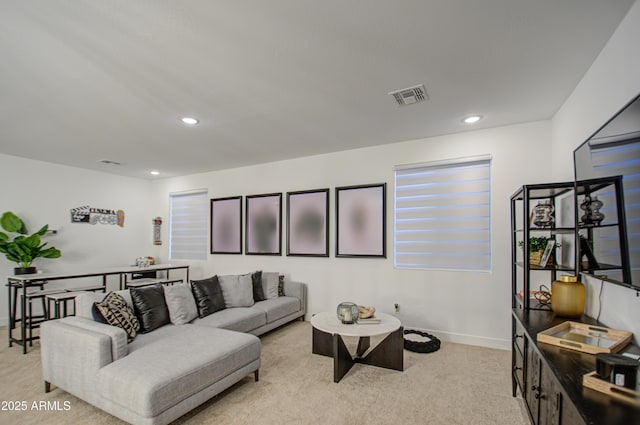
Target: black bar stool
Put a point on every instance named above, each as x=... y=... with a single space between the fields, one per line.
x=33 y=320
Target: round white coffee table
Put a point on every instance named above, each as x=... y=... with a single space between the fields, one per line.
x=327 y=341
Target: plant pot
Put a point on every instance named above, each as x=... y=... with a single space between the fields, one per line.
x=25 y=270
x=536 y=256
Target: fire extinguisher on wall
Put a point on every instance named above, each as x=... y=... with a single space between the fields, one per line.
x=157 y=234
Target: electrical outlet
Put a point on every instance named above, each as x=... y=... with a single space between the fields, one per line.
x=397 y=307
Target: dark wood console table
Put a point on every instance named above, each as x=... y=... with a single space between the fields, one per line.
x=550 y=377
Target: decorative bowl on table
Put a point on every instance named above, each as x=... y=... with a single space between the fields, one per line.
x=348 y=312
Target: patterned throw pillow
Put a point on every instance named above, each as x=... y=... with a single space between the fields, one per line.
x=281 y=286
x=116 y=312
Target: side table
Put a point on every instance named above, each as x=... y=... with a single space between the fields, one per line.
x=328 y=333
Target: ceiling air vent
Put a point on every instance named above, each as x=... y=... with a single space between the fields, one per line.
x=410 y=95
x=109 y=162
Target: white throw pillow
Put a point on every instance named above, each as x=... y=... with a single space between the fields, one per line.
x=270 y=284
x=181 y=304
x=236 y=290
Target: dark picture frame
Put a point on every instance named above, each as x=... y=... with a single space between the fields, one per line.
x=226 y=225
x=308 y=223
x=263 y=226
x=361 y=221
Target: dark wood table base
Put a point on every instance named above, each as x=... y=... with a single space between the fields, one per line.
x=389 y=354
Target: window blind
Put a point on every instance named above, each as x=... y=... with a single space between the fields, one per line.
x=443 y=215
x=189 y=215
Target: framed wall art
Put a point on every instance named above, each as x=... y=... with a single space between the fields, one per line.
x=264 y=224
x=226 y=225
x=361 y=221
x=308 y=223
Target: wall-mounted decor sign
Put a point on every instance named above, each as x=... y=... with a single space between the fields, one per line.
x=86 y=214
x=308 y=223
x=264 y=224
x=361 y=221
x=157 y=233
x=226 y=225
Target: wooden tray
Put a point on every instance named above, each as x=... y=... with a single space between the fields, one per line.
x=591 y=380
x=586 y=338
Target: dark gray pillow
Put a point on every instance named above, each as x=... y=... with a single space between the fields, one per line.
x=208 y=295
x=150 y=307
x=256 y=281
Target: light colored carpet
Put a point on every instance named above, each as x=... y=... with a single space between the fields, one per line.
x=459 y=384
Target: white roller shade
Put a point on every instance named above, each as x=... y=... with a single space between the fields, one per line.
x=443 y=215
x=189 y=215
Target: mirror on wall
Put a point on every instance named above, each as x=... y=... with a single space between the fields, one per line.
x=614 y=150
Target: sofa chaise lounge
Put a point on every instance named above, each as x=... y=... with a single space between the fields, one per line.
x=163 y=374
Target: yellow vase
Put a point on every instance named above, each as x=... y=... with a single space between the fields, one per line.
x=568 y=296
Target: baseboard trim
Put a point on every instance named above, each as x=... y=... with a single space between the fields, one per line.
x=498 y=343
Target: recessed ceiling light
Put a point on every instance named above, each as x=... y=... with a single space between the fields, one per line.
x=189 y=120
x=154 y=173
x=472 y=119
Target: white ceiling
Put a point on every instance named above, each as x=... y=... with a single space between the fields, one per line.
x=86 y=80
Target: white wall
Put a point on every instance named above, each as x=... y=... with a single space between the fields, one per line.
x=611 y=82
x=43 y=193
x=463 y=306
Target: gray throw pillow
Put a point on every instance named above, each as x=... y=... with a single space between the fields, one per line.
x=270 y=284
x=237 y=290
x=182 y=307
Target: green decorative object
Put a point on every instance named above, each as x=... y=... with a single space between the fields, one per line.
x=24 y=248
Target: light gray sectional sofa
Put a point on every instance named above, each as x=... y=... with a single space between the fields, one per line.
x=163 y=374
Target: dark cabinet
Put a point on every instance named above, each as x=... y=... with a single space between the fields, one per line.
x=549 y=378
x=583 y=225
x=532 y=389
x=550 y=398
x=569 y=415
x=543 y=396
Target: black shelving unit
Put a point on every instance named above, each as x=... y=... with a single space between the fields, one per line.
x=548 y=377
x=561 y=196
x=603 y=252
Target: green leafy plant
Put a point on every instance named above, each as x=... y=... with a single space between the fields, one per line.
x=537 y=243
x=24 y=248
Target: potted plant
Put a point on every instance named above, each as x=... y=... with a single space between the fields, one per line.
x=24 y=248
x=537 y=245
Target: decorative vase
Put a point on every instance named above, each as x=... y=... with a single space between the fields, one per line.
x=568 y=296
x=543 y=214
x=348 y=312
x=591 y=208
x=24 y=270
